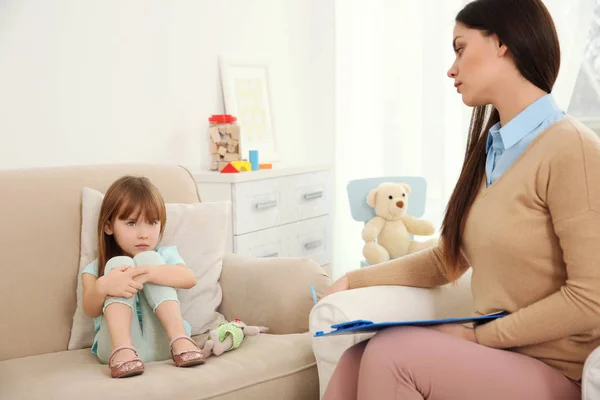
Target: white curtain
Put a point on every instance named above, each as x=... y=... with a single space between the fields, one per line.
x=397 y=113
x=573 y=19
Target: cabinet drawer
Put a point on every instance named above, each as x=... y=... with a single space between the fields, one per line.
x=256 y=205
x=311 y=238
x=307 y=195
x=266 y=243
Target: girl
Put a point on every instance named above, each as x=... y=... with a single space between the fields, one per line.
x=525 y=216
x=130 y=289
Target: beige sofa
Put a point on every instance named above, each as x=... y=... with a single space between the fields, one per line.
x=40 y=210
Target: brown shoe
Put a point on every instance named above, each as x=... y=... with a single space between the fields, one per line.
x=187 y=358
x=123 y=369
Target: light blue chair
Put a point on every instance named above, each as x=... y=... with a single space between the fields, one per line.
x=359 y=189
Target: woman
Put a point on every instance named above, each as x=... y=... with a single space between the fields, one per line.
x=525 y=215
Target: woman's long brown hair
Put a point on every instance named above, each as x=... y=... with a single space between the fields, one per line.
x=129 y=197
x=527 y=29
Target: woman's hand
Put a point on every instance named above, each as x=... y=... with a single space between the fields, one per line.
x=457 y=330
x=338 y=286
x=119 y=282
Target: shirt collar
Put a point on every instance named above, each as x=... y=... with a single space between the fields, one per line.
x=524 y=123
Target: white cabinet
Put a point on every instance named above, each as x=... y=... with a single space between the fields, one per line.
x=283 y=212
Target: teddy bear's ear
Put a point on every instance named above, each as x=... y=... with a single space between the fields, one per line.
x=372 y=197
x=407 y=187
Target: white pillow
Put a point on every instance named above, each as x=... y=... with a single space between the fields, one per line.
x=198 y=230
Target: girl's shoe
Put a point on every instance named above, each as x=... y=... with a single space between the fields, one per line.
x=123 y=369
x=187 y=358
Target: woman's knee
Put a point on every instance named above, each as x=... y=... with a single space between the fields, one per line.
x=353 y=355
x=397 y=346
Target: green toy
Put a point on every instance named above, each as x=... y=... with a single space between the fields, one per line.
x=229 y=336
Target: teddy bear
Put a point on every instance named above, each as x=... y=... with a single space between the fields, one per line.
x=386 y=235
x=228 y=336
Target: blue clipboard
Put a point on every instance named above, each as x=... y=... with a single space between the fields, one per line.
x=361 y=325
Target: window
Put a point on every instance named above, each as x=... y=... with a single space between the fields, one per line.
x=585 y=103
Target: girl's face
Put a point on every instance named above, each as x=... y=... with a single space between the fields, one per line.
x=133 y=235
x=479 y=65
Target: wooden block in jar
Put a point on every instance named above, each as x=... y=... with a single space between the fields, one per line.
x=213 y=148
x=222 y=150
x=235 y=132
x=232 y=148
x=214 y=134
x=231 y=157
x=223 y=128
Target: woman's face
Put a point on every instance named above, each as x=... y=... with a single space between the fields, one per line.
x=478 y=66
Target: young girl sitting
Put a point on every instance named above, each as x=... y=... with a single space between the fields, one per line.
x=130 y=289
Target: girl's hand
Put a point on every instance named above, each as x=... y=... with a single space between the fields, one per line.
x=338 y=286
x=145 y=276
x=119 y=282
x=457 y=330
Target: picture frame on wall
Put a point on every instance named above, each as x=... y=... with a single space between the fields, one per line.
x=247 y=96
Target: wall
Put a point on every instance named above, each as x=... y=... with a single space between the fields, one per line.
x=85 y=82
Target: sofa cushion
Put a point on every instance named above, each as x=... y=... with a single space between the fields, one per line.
x=198 y=230
x=264 y=367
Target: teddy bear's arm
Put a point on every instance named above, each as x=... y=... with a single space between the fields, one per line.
x=419 y=227
x=372 y=229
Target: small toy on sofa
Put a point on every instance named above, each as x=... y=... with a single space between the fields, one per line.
x=229 y=336
x=386 y=235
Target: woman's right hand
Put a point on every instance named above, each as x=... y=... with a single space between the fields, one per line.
x=119 y=282
x=339 y=286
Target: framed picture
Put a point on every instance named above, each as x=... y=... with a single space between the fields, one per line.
x=247 y=97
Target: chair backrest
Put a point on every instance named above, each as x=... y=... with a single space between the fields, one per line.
x=359 y=189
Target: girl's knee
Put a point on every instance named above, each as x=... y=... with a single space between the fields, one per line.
x=148 y=258
x=117 y=262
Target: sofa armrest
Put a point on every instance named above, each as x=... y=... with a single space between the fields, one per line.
x=379 y=304
x=590 y=381
x=272 y=292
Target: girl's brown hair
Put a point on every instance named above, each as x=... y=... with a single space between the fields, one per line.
x=129 y=197
x=527 y=29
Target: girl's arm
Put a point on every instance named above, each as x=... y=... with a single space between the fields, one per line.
x=119 y=282
x=176 y=276
x=93 y=297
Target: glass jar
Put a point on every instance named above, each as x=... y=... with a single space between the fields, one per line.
x=224 y=139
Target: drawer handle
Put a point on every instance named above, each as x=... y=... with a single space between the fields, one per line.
x=271 y=255
x=313 y=245
x=265 y=205
x=313 y=195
